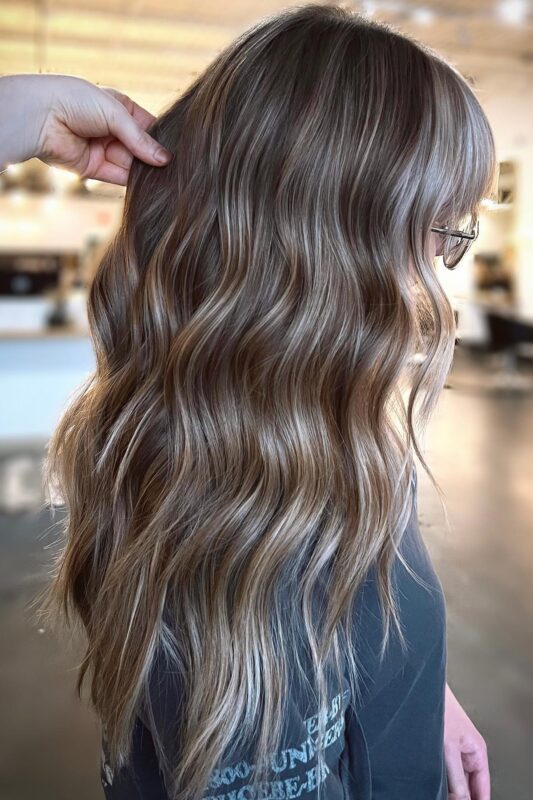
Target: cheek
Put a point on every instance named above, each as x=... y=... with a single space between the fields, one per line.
x=435 y=245
x=434 y=250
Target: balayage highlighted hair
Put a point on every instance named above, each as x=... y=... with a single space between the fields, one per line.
x=245 y=431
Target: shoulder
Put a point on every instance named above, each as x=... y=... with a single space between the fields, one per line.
x=421 y=609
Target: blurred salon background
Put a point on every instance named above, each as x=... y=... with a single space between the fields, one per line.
x=53 y=228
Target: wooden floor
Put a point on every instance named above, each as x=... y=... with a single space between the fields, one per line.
x=480 y=448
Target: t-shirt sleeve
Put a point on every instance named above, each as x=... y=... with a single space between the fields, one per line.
x=396 y=730
x=404 y=732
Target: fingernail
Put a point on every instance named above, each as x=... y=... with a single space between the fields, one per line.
x=162 y=155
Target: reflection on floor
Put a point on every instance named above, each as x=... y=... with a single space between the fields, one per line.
x=479 y=448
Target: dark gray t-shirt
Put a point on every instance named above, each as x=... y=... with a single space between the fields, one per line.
x=387 y=745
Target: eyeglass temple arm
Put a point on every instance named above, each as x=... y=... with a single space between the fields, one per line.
x=460 y=234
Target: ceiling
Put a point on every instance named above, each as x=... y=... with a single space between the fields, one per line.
x=151 y=49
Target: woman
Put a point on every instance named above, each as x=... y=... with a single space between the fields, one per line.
x=242 y=500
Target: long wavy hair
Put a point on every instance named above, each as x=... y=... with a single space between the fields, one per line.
x=251 y=425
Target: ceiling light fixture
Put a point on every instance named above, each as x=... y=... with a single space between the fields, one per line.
x=368 y=8
x=513 y=12
x=422 y=16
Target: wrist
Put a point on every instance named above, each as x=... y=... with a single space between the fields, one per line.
x=25 y=103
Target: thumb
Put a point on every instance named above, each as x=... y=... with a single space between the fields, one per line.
x=125 y=128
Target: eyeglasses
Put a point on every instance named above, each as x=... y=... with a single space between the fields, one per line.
x=456 y=243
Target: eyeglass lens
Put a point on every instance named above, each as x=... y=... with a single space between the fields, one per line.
x=454 y=247
x=454 y=250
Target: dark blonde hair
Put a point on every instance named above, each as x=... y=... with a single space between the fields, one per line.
x=245 y=430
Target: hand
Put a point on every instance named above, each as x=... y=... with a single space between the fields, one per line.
x=68 y=121
x=465 y=753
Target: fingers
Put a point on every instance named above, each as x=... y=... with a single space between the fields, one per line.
x=118 y=154
x=112 y=162
x=130 y=132
x=106 y=160
x=477 y=765
x=140 y=114
x=480 y=785
x=143 y=117
x=111 y=173
x=457 y=781
x=468 y=775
